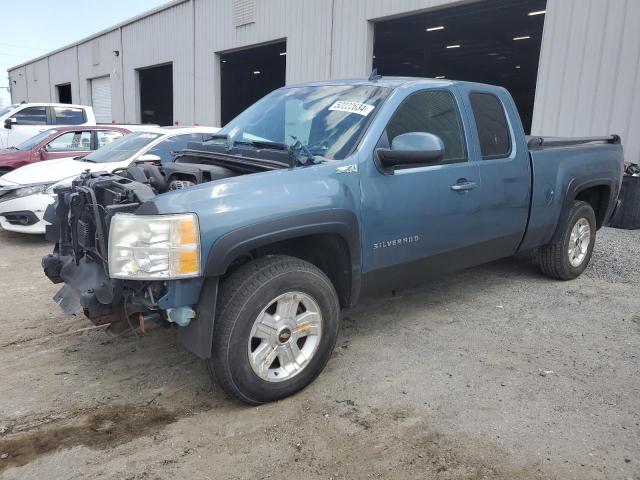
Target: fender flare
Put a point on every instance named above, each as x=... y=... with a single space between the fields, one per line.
x=243 y=240
x=574 y=187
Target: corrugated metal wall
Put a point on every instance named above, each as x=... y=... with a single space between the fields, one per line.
x=588 y=82
x=305 y=24
x=165 y=37
x=63 y=68
x=96 y=58
x=589 y=77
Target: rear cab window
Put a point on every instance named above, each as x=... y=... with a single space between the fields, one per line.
x=492 y=125
x=69 y=116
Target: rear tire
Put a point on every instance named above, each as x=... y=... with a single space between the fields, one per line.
x=276 y=326
x=567 y=258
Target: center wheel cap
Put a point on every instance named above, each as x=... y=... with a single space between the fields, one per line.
x=284 y=335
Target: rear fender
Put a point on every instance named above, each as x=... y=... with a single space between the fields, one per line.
x=576 y=186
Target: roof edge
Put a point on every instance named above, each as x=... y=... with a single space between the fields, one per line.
x=117 y=26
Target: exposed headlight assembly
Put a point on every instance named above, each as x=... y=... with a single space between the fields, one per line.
x=24 y=191
x=154 y=247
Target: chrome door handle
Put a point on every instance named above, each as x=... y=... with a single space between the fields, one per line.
x=463 y=186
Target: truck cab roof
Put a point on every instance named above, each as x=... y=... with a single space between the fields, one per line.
x=397 y=82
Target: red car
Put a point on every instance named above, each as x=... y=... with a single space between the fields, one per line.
x=58 y=142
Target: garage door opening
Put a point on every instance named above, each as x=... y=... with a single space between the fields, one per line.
x=491 y=41
x=156 y=94
x=64 y=93
x=248 y=75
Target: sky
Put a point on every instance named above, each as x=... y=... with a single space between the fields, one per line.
x=31 y=28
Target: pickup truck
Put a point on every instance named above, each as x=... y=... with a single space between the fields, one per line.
x=317 y=196
x=20 y=122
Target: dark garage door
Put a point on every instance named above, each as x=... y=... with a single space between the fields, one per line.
x=156 y=95
x=491 y=41
x=248 y=75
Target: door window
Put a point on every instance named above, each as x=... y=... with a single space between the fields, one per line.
x=32 y=116
x=435 y=112
x=172 y=144
x=70 y=142
x=69 y=116
x=491 y=122
x=107 y=136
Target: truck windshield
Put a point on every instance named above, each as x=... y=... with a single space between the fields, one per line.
x=328 y=119
x=122 y=148
x=33 y=141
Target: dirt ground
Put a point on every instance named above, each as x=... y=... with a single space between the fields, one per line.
x=493 y=373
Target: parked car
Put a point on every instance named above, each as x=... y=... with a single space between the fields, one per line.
x=26 y=192
x=315 y=197
x=58 y=142
x=22 y=121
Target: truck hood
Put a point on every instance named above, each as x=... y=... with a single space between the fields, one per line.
x=51 y=171
x=9 y=157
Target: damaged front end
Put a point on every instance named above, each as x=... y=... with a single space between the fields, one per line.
x=81 y=222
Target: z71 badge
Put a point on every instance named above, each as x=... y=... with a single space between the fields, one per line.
x=398 y=242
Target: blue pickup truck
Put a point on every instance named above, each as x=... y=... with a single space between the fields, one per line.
x=315 y=197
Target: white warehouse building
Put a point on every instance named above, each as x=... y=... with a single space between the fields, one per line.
x=573 y=66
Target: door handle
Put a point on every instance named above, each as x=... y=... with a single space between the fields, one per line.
x=463 y=186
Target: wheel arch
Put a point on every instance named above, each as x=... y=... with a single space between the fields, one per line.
x=329 y=239
x=596 y=192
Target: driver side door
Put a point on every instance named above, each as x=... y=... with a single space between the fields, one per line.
x=421 y=220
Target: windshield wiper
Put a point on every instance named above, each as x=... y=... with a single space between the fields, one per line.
x=298 y=147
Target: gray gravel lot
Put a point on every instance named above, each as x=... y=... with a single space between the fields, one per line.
x=492 y=373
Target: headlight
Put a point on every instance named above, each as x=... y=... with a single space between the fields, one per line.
x=154 y=247
x=65 y=182
x=30 y=190
x=8 y=193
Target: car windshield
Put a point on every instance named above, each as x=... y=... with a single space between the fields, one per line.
x=122 y=148
x=328 y=119
x=7 y=109
x=33 y=141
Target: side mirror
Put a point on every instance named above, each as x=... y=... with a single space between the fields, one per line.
x=9 y=122
x=148 y=158
x=412 y=149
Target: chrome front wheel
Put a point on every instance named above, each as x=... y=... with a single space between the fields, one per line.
x=285 y=336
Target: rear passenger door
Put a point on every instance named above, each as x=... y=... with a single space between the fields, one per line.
x=504 y=171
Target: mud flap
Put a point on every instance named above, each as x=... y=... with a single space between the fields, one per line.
x=198 y=335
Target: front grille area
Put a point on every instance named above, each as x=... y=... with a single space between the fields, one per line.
x=85 y=234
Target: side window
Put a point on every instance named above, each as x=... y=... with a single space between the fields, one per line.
x=107 y=136
x=493 y=129
x=69 y=116
x=431 y=111
x=70 y=142
x=168 y=145
x=32 y=116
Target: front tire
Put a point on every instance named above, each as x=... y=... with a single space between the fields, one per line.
x=567 y=258
x=277 y=323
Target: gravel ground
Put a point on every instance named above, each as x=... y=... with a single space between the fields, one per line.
x=492 y=373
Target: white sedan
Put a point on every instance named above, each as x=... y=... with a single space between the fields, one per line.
x=26 y=192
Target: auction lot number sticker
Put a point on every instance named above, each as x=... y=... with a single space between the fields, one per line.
x=363 y=109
